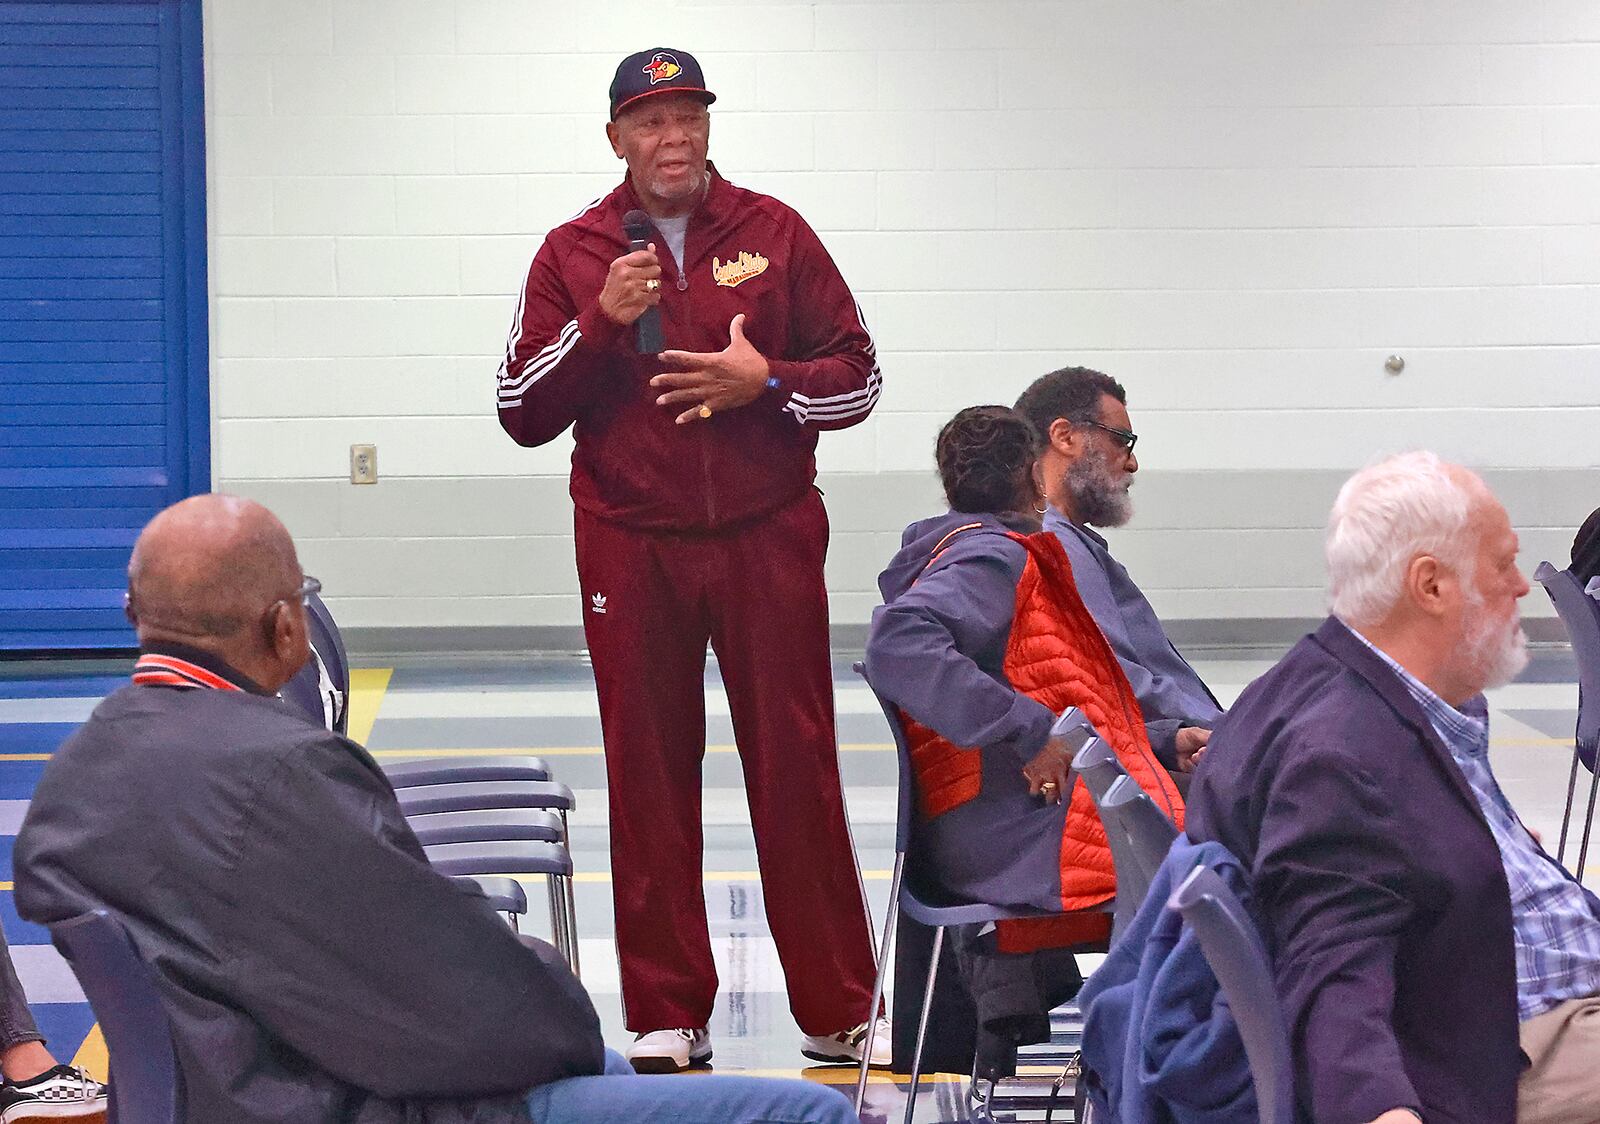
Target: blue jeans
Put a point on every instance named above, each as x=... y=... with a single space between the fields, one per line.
x=620 y=1095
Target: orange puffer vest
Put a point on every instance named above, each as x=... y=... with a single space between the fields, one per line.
x=1056 y=655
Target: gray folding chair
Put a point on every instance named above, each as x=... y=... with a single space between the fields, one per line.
x=914 y=890
x=1580 y=615
x=505 y=894
x=1097 y=764
x=322 y=687
x=519 y=856
x=146 y=1083
x=487 y=825
x=421 y=801
x=1129 y=814
x=1238 y=958
x=455 y=770
x=477 y=796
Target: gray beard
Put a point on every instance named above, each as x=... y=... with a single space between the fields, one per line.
x=1098 y=498
x=1497 y=653
x=687 y=193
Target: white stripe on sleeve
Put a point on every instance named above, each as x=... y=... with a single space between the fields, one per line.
x=511 y=390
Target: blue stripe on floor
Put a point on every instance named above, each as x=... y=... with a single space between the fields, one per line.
x=34 y=737
x=18 y=779
x=19 y=932
x=64 y=1026
x=86 y=687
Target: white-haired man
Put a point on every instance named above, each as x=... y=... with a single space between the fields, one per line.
x=1423 y=942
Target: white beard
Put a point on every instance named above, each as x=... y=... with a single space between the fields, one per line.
x=1497 y=653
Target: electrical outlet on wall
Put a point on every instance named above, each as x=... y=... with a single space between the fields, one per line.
x=363 y=464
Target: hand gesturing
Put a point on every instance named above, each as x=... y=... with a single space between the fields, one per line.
x=711 y=381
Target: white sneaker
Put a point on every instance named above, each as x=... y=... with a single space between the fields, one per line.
x=846 y=1045
x=669 y=1051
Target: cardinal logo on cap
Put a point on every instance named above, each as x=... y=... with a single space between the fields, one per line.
x=662 y=67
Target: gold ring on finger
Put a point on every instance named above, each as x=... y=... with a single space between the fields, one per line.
x=704 y=411
x=652 y=285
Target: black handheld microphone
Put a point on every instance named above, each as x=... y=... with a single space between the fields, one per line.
x=647 y=329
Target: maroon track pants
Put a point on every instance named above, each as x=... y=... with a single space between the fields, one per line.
x=756 y=593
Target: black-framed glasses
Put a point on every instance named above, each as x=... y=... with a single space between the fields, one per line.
x=1125 y=437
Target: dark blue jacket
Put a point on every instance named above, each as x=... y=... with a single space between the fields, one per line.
x=1378 y=884
x=1171 y=694
x=937 y=651
x=1159 y=1043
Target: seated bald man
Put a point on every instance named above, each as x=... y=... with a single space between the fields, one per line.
x=314 y=967
x=1432 y=960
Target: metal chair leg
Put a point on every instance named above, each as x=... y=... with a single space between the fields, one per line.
x=922 y=1022
x=1588 y=820
x=572 y=924
x=1566 y=817
x=568 y=943
x=891 y=917
x=569 y=903
x=558 y=928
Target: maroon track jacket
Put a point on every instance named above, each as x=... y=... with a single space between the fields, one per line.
x=567 y=364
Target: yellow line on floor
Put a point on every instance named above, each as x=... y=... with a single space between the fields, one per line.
x=367 y=685
x=24 y=757
x=91 y=1056
x=582 y=750
x=839 y=1075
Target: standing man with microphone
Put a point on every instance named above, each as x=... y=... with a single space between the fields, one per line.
x=698 y=520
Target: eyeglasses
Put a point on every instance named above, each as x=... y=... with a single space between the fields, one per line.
x=1125 y=437
x=309 y=586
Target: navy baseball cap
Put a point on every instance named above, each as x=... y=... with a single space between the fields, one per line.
x=660 y=70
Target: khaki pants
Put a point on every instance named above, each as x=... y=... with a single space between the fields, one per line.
x=1562 y=1085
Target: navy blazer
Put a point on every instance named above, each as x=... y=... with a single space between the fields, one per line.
x=1379 y=885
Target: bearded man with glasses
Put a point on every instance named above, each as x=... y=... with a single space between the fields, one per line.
x=1088 y=466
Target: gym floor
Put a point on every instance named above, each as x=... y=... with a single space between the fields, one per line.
x=430 y=707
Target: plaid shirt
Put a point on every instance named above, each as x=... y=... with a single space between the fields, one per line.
x=1554 y=919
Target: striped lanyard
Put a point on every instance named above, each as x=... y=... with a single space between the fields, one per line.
x=155 y=670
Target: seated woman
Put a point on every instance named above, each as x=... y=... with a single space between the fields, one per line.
x=981 y=642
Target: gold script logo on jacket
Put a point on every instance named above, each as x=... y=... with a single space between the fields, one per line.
x=736 y=271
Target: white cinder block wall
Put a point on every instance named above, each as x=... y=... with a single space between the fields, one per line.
x=1239 y=209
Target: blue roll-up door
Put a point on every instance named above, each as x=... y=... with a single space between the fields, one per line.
x=104 y=415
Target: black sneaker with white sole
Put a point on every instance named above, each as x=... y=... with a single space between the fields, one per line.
x=60 y=1093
